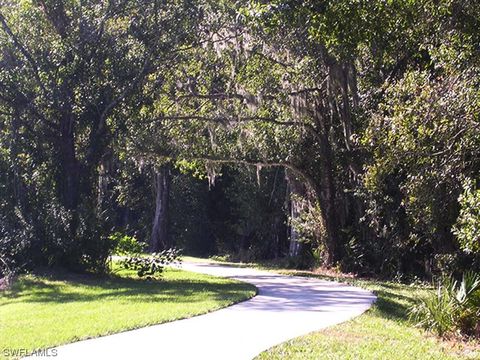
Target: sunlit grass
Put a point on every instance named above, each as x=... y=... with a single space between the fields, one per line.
x=44 y=311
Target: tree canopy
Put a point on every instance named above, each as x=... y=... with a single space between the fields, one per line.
x=349 y=127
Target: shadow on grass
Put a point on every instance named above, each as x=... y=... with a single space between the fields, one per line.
x=388 y=307
x=84 y=288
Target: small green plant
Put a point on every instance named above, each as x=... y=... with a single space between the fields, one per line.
x=151 y=267
x=453 y=308
x=125 y=244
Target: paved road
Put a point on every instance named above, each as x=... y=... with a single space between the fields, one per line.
x=285 y=307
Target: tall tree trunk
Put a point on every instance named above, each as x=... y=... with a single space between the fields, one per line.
x=295 y=244
x=161 y=181
x=329 y=214
x=295 y=191
x=68 y=178
x=105 y=169
x=69 y=167
x=18 y=185
x=327 y=187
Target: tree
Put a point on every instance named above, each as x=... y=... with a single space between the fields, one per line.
x=299 y=85
x=159 y=240
x=71 y=72
x=371 y=108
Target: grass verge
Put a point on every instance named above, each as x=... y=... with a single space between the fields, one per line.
x=42 y=311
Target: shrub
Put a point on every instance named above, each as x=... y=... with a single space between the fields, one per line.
x=148 y=267
x=453 y=308
x=125 y=245
x=151 y=267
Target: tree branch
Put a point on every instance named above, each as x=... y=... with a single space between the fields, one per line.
x=309 y=127
x=23 y=50
x=249 y=162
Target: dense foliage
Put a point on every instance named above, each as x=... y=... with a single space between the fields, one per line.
x=342 y=132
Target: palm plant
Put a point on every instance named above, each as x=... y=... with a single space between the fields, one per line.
x=454 y=307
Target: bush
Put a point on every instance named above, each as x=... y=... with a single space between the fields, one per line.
x=151 y=267
x=148 y=267
x=453 y=308
x=125 y=245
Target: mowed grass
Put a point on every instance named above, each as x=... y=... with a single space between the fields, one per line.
x=383 y=332
x=44 y=311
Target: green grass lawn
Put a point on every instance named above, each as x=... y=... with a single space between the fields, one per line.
x=43 y=311
x=383 y=332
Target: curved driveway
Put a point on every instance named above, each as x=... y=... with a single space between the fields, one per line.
x=285 y=307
